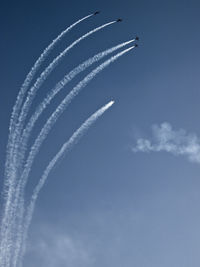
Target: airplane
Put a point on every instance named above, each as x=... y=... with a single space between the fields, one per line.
x=136 y=38
x=97 y=12
x=136 y=45
x=118 y=20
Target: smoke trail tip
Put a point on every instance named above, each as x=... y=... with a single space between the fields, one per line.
x=110 y=104
x=132 y=40
x=114 y=21
x=130 y=48
x=129 y=41
x=90 y=15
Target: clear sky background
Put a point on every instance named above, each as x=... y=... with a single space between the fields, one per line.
x=105 y=205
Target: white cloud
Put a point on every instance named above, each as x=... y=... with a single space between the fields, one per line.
x=177 y=142
x=54 y=249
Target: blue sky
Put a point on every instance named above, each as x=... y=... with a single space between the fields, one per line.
x=106 y=205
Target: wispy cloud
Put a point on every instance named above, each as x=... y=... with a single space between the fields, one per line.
x=176 y=142
x=58 y=249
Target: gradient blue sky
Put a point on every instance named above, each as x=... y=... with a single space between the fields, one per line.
x=105 y=205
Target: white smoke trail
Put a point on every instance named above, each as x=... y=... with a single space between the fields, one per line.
x=64 y=149
x=41 y=107
x=32 y=92
x=60 y=109
x=35 y=67
x=43 y=104
x=22 y=117
x=51 y=95
x=47 y=100
x=8 y=179
x=47 y=71
x=31 y=74
x=53 y=118
x=43 y=77
x=59 y=86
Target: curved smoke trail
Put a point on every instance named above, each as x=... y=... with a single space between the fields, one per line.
x=46 y=72
x=47 y=100
x=12 y=244
x=35 y=67
x=8 y=179
x=60 y=109
x=24 y=112
x=32 y=92
x=41 y=107
x=64 y=149
x=59 y=86
x=53 y=118
x=31 y=74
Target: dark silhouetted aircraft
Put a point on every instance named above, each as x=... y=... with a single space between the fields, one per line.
x=118 y=20
x=97 y=12
x=136 y=45
x=136 y=38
